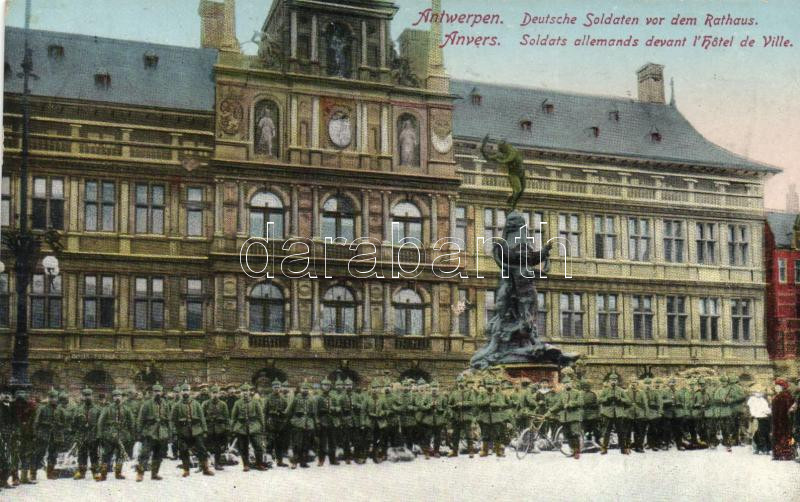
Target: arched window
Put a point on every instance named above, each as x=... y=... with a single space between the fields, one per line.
x=266 y=208
x=415 y=374
x=338 y=310
x=338 y=218
x=263 y=378
x=266 y=309
x=338 y=50
x=406 y=222
x=99 y=380
x=409 y=313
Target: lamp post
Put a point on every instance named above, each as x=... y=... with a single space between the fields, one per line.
x=21 y=242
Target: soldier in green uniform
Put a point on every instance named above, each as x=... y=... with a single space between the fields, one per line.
x=348 y=405
x=153 y=424
x=591 y=411
x=325 y=419
x=49 y=425
x=275 y=423
x=83 y=419
x=568 y=410
x=376 y=412
x=404 y=414
x=462 y=414
x=723 y=402
x=420 y=392
x=435 y=418
x=638 y=414
x=188 y=427
x=491 y=405
x=247 y=423
x=24 y=449
x=115 y=427
x=615 y=409
x=710 y=413
x=218 y=422
x=133 y=405
x=654 y=414
x=300 y=412
x=674 y=410
x=527 y=402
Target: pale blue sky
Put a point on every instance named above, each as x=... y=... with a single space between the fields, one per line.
x=747 y=100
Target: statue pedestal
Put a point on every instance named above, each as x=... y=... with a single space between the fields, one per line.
x=536 y=372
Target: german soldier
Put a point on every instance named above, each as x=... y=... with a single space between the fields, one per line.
x=49 y=424
x=300 y=412
x=115 y=427
x=615 y=410
x=247 y=423
x=153 y=424
x=83 y=420
x=218 y=421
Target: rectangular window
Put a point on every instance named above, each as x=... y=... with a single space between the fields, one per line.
x=709 y=319
x=797 y=271
x=45 y=301
x=569 y=232
x=643 y=317
x=98 y=301
x=706 y=243
x=638 y=239
x=149 y=209
x=48 y=204
x=461 y=226
x=605 y=237
x=488 y=304
x=463 y=316
x=607 y=316
x=738 y=245
x=541 y=314
x=536 y=230
x=99 y=202
x=194 y=211
x=741 y=317
x=781 y=270
x=5 y=203
x=571 y=306
x=194 y=304
x=148 y=303
x=674 y=241
x=676 y=317
x=5 y=300
x=493 y=222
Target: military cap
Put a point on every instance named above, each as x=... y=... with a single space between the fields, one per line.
x=659 y=380
x=131 y=391
x=460 y=378
x=214 y=389
x=375 y=384
x=733 y=379
x=22 y=394
x=723 y=379
x=177 y=388
x=116 y=392
x=613 y=376
x=305 y=386
x=339 y=383
x=507 y=383
x=648 y=381
x=86 y=391
x=186 y=387
x=158 y=388
x=246 y=386
x=285 y=384
x=434 y=385
x=348 y=382
x=566 y=379
x=325 y=381
x=421 y=382
x=53 y=393
x=276 y=384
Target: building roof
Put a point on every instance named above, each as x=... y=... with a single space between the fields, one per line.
x=624 y=127
x=782 y=227
x=181 y=79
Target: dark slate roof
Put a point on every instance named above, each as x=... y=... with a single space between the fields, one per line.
x=569 y=127
x=182 y=79
x=782 y=227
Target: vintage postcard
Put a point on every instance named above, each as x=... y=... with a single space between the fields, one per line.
x=400 y=250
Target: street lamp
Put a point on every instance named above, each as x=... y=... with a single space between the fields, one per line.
x=24 y=245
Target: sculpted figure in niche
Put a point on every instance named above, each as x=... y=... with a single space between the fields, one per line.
x=408 y=139
x=266 y=130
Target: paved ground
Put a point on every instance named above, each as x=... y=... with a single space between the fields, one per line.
x=660 y=476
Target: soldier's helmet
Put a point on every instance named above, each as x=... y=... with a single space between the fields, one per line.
x=585 y=385
x=648 y=381
x=566 y=380
x=214 y=389
x=176 y=389
x=339 y=384
x=348 y=383
x=325 y=383
x=131 y=392
x=613 y=376
x=306 y=386
x=285 y=384
x=116 y=392
x=460 y=378
x=86 y=392
x=246 y=387
x=276 y=384
x=375 y=385
x=723 y=379
x=733 y=379
x=658 y=381
x=158 y=388
x=421 y=382
x=186 y=387
x=20 y=394
x=434 y=385
x=53 y=394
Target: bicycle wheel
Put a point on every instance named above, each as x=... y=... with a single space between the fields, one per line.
x=525 y=443
x=557 y=437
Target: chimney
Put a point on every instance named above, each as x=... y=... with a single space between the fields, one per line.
x=792 y=201
x=218 y=25
x=651 y=83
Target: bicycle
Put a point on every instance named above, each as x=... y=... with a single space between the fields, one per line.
x=534 y=439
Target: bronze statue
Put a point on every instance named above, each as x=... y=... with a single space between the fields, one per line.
x=510 y=157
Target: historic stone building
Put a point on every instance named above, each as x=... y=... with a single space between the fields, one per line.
x=160 y=164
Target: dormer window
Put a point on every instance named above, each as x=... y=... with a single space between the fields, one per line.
x=548 y=107
x=55 y=51
x=150 y=61
x=595 y=131
x=613 y=115
x=102 y=80
x=655 y=136
x=526 y=125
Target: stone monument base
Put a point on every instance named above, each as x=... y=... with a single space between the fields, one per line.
x=535 y=372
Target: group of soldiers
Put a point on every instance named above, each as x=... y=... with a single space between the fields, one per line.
x=415 y=417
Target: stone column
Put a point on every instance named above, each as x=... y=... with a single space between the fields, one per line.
x=218 y=211
x=241 y=217
x=295 y=325
x=363 y=43
x=316 y=325
x=293 y=121
x=366 y=316
x=453 y=317
x=315 y=219
x=434 y=232
x=387 y=218
x=295 y=202
x=452 y=210
x=314 y=43
x=293 y=34
x=388 y=312
x=383 y=45
x=385 y=130
x=365 y=213
x=434 y=310
x=315 y=121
